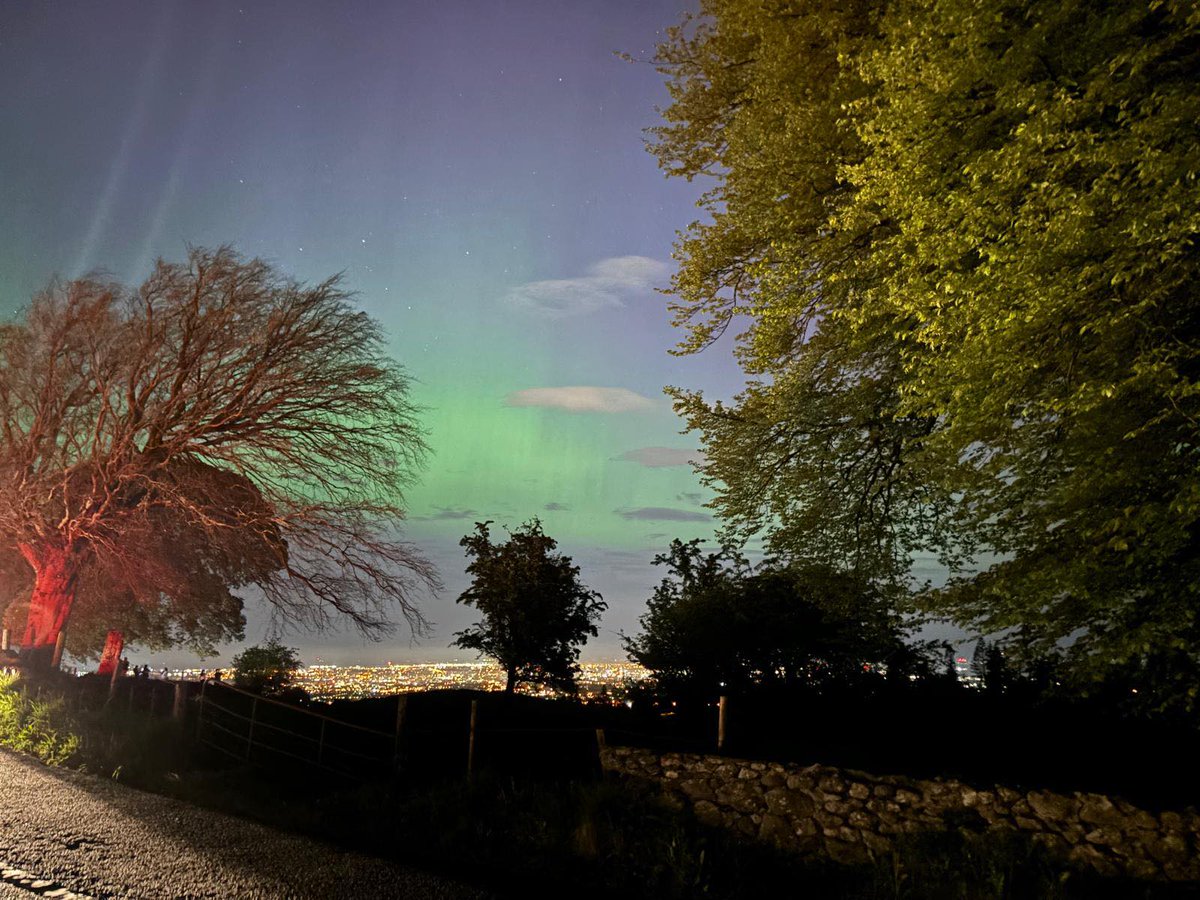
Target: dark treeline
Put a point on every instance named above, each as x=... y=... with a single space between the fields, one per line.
x=817 y=669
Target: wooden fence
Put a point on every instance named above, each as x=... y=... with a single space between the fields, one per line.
x=254 y=730
x=439 y=734
x=258 y=730
x=152 y=697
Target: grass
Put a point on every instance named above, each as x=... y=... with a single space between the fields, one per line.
x=36 y=726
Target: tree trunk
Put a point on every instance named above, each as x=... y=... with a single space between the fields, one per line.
x=512 y=680
x=56 y=573
x=110 y=659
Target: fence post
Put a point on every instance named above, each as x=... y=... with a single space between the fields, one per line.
x=112 y=682
x=4 y=639
x=401 y=717
x=200 y=710
x=177 y=708
x=601 y=743
x=250 y=733
x=722 y=706
x=471 y=740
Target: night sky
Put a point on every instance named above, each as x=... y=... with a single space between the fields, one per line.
x=476 y=170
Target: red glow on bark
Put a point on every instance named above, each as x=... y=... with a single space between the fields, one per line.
x=53 y=593
x=113 y=645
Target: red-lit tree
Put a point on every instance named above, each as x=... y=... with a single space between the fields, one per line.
x=220 y=426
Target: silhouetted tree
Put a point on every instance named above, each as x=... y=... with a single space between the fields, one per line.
x=266 y=669
x=536 y=612
x=220 y=426
x=716 y=623
x=989 y=664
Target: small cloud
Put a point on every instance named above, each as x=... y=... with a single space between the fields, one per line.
x=661 y=514
x=660 y=457
x=563 y=298
x=581 y=399
x=556 y=507
x=631 y=271
x=603 y=287
x=447 y=512
x=690 y=497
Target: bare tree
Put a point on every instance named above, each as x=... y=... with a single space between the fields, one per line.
x=220 y=426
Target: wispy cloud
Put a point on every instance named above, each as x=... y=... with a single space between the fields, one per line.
x=581 y=399
x=605 y=286
x=659 y=457
x=556 y=507
x=690 y=497
x=447 y=512
x=661 y=514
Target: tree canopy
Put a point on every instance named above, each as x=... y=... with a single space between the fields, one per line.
x=220 y=426
x=536 y=611
x=267 y=668
x=960 y=242
x=717 y=625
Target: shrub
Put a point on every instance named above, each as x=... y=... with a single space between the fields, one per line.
x=34 y=726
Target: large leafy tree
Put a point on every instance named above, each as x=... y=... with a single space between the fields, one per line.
x=814 y=452
x=1052 y=324
x=965 y=233
x=536 y=611
x=218 y=427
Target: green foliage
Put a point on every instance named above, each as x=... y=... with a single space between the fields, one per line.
x=814 y=451
x=266 y=669
x=36 y=727
x=536 y=612
x=132 y=747
x=961 y=239
x=717 y=625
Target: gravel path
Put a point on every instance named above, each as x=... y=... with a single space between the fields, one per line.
x=89 y=836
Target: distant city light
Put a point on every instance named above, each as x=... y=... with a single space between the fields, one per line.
x=597 y=680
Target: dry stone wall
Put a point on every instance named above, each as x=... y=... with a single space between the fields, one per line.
x=852 y=816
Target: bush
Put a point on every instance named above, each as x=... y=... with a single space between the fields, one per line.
x=33 y=726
